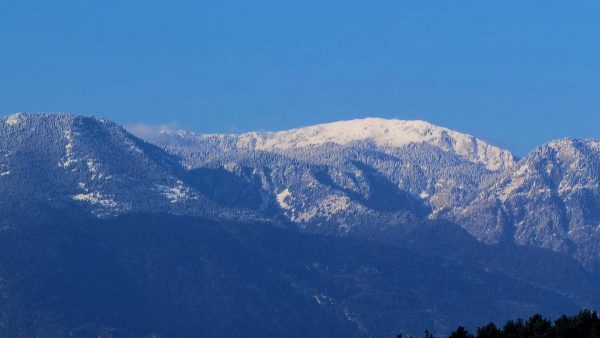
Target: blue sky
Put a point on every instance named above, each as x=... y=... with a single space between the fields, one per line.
x=517 y=73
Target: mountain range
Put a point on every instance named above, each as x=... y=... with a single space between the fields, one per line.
x=366 y=227
x=361 y=175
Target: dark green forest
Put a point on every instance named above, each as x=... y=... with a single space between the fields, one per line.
x=585 y=324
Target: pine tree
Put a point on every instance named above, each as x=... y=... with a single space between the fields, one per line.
x=460 y=332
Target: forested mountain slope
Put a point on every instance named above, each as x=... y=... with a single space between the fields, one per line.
x=391 y=226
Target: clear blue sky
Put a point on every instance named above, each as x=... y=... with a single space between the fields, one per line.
x=517 y=73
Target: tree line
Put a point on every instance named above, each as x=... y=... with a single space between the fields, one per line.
x=585 y=324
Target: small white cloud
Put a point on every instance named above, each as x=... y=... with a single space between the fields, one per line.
x=150 y=132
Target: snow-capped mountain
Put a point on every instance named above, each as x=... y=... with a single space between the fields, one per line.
x=384 y=134
x=91 y=164
x=550 y=199
x=364 y=175
x=349 y=176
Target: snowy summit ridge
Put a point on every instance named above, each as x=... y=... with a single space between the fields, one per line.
x=385 y=133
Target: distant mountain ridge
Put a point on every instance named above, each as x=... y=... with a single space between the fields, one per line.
x=381 y=132
x=358 y=177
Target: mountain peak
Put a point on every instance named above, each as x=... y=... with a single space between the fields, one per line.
x=21 y=118
x=573 y=143
x=566 y=150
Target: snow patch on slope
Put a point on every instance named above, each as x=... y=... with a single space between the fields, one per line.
x=176 y=193
x=334 y=204
x=14 y=119
x=281 y=199
x=96 y=198
x=69 y=157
